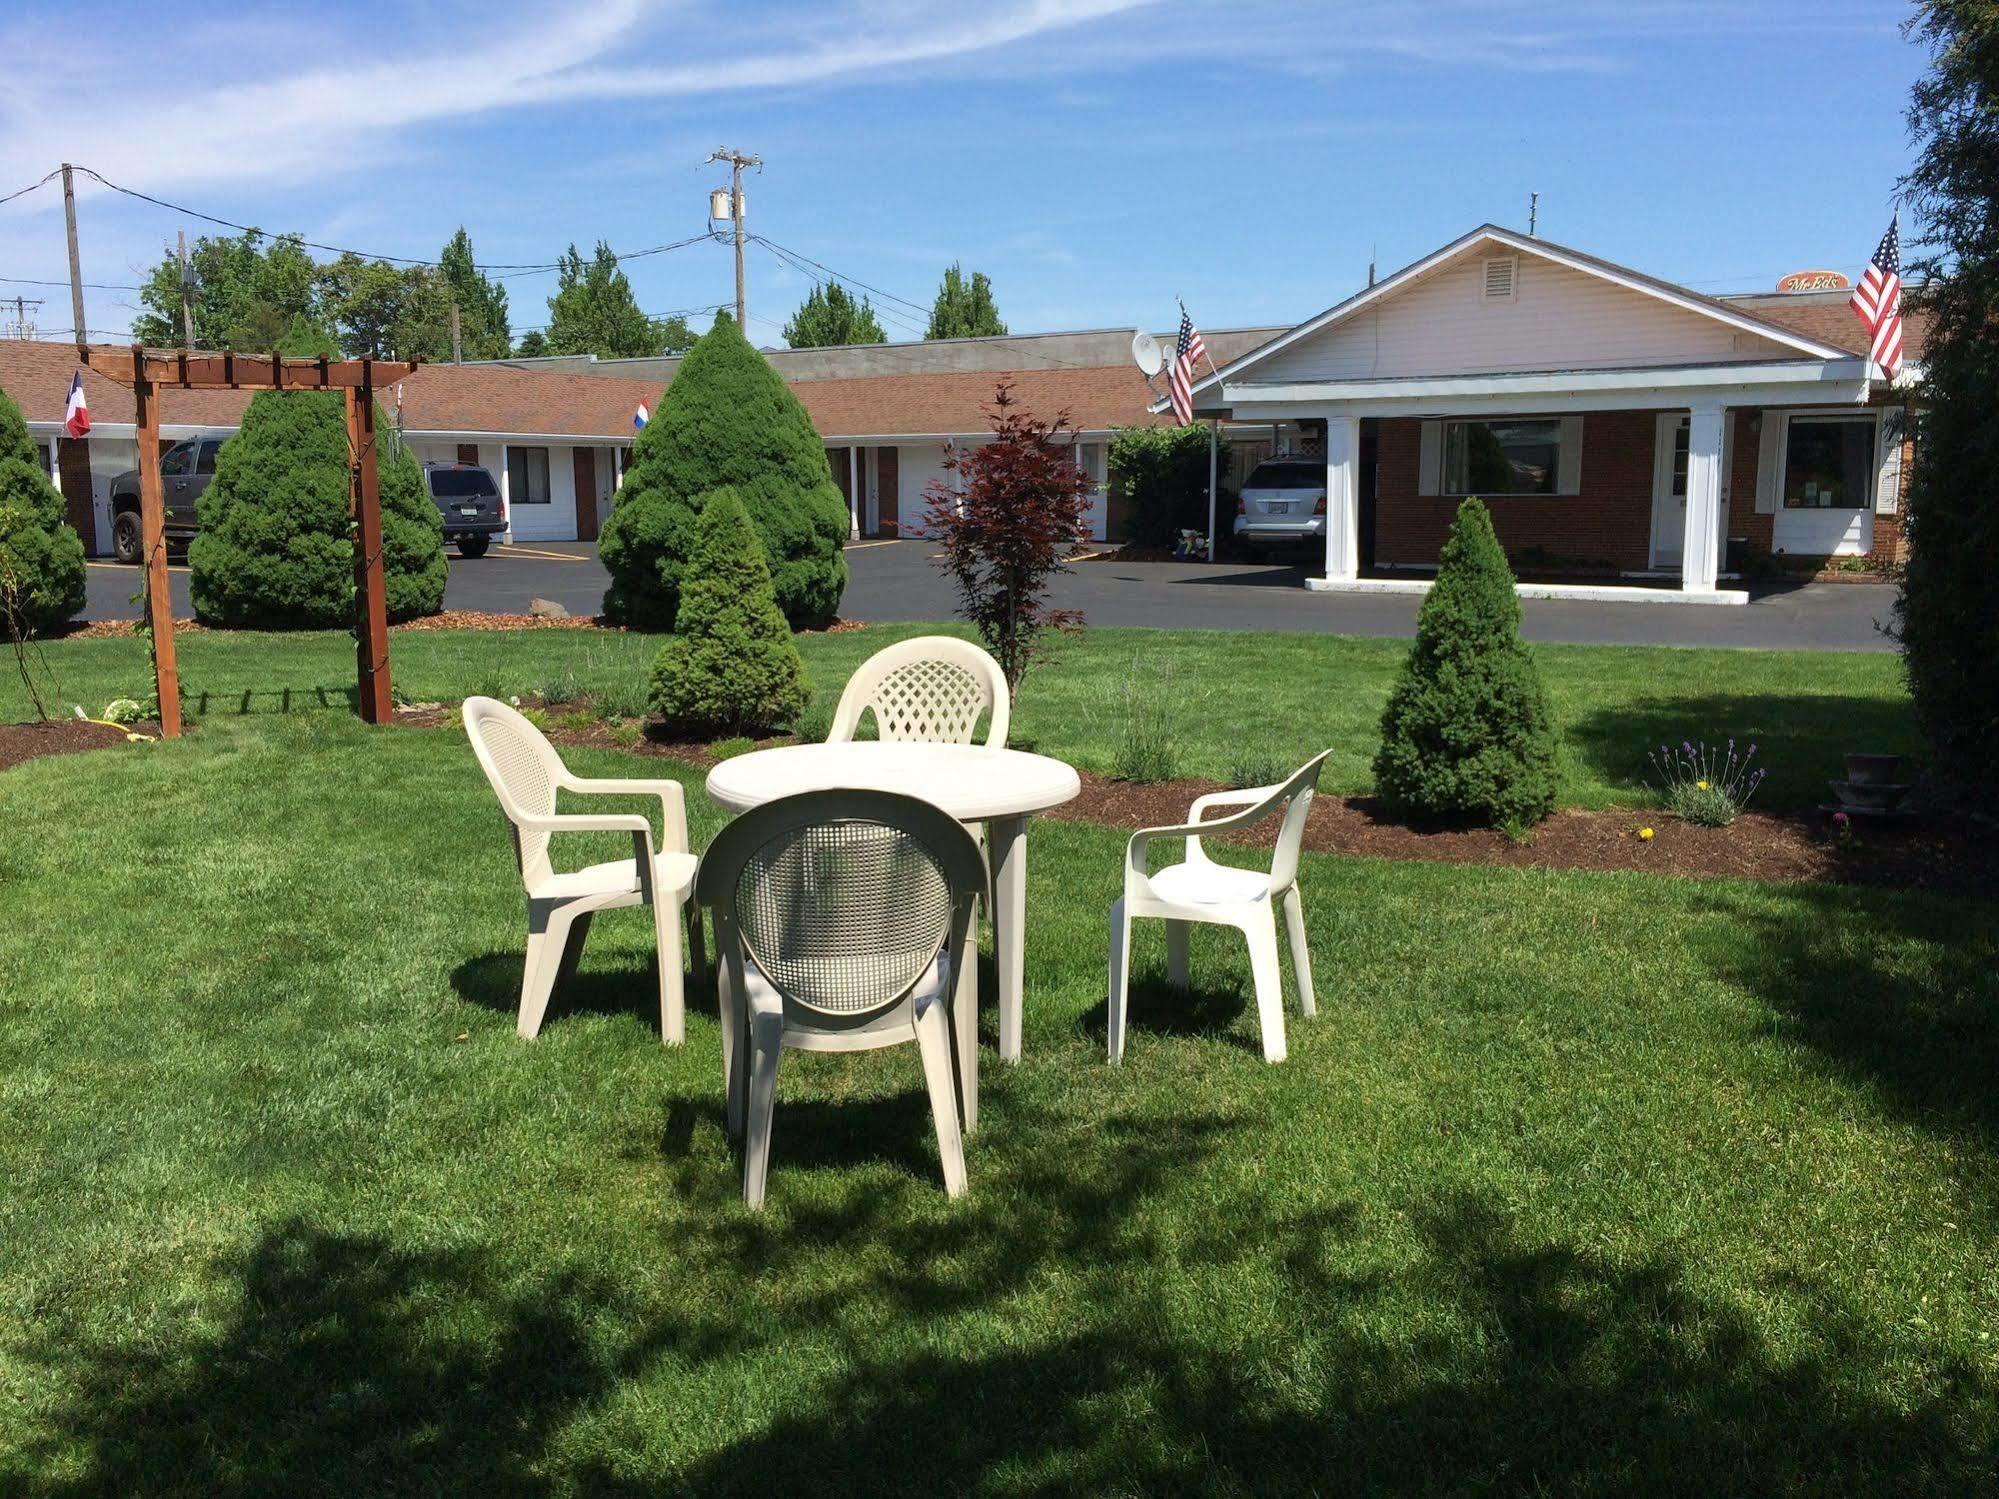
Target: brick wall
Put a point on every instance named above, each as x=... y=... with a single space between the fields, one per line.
x=1610 y=521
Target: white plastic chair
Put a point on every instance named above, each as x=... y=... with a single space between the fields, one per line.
x=840 y=920
x=1201 y=890
x=931 y=689
x=525 y=773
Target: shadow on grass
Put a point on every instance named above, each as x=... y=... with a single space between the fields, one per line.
x=1898 y=994
x=253 y=700
x=1481 y=1360
x=1157 y=1008
x=1799 y=738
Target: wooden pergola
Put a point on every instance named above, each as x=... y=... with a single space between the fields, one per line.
x=149 y=372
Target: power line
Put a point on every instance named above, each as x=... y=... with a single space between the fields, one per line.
x=522 y=268
x=899 y=319
x=23 y=192
x=827 y=270
x=88 y=285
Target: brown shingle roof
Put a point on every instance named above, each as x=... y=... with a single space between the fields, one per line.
x=1826 y=317
x=493 y=398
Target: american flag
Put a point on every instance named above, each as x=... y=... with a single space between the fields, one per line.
x=1877 y=300
x=1188 y=350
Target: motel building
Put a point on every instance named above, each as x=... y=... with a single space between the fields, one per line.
x=1632 y=438
x=1621 y=429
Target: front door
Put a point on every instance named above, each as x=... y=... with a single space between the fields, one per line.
x=886 y=496
x=586 y=493
x=1669 y=490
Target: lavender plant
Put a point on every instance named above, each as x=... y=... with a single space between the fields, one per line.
x=1702 y=783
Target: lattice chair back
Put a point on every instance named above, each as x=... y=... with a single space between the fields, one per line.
x=523 y=770
x=843 y=899
x=931 y=689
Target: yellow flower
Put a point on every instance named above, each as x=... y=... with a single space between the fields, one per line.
x=1701 y=785
x=1645 y=835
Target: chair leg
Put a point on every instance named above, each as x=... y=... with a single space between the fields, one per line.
x=1301 y=955
x=697 y=946
x=672 y=985
x=572 y=951
x=1120 y=980
x=933 y=1041
x=1176 y=954
x=735 y=1049
x=965 y=1022
x=766 y=1038
x=1261 y=932
x=548 y=937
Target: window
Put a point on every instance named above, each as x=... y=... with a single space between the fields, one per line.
x=527 y=476
x=1829 y=463
x=178 y=460
x=45 y=455
x=461 y=483
x=205 y=463
x=1287 y=475
x=1503 y=457
x=1680 y=462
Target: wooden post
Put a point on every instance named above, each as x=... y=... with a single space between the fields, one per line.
x=153 y=534
x=371 y=614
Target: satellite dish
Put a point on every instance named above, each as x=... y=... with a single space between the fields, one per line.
x=1146 y=354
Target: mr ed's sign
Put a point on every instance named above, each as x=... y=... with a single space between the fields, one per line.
x=1814 y=281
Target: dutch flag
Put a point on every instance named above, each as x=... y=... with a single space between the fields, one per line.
x=76 y=416
x=640 y=417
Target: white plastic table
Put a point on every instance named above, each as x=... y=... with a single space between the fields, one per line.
x=999 y=787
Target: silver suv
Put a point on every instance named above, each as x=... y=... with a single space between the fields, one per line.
x=1283 y=503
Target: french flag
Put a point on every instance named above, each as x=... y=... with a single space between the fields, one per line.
x=76 y=416
x=640 y=417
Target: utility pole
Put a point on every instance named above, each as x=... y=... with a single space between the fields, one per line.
x=737 y=160
x=186 y=298
x=75 y=262
x=457 y=347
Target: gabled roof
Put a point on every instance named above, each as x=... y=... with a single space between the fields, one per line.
x=1575 y=260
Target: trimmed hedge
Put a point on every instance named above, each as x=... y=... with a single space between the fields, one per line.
x=274 y=548
x=731 y=666
x=729 y=421
x=41 y=556
x=1467 y=735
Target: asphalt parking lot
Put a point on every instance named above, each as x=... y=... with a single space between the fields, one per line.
x=899 y=580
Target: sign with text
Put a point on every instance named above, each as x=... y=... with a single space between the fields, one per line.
x=1814 y=281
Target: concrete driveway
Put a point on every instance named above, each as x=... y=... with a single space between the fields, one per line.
x=899 y=580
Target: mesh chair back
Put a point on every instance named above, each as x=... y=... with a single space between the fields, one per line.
x=843 y=898
x=933 y=690
x=521 y=766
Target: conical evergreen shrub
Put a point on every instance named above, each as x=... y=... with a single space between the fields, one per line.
x=1467 y=736
x=274 y=550
x=731 y=665
x=41 y=557
x=727 y=420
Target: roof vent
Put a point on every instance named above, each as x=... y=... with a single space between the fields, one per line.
x=1500 y=279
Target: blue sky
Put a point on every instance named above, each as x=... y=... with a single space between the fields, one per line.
x=1094 y=157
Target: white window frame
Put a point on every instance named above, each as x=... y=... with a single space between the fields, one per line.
x=1823 y=417
x=1444 y=488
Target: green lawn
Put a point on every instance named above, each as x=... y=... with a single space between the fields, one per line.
x=1273 y=698
x=1579 y=1184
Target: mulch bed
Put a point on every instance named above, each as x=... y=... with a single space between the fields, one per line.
x=1948 y=855
x=20 y=742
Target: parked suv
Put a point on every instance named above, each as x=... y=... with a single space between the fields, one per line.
x=1283 y=503
x=469 y=501
x=185 y=469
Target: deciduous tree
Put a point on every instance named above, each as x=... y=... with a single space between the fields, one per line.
x=1009 y=520
x=831 y=316
x=964 y=308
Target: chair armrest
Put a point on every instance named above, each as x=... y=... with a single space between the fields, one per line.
x=672 y=803
x=1193 y=829
x=610 y=822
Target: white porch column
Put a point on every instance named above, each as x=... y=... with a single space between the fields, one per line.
x=1342 y=498
x=1700 y=548
x=854 y=491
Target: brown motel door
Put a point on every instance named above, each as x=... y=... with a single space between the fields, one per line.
x=885 y=492
x=586 y=494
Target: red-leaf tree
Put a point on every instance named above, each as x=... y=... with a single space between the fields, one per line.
x=1011 y=521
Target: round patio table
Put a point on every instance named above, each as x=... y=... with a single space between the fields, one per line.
x=998 y=787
